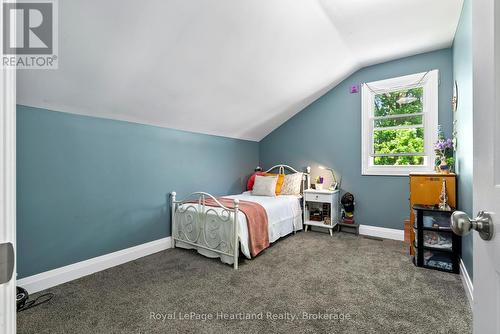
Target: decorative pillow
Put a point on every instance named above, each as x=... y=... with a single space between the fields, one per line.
x=281 y=178
x=265 y=185
x=251 y=180
x=291 y=184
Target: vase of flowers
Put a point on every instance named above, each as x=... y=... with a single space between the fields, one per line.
x=445 y=162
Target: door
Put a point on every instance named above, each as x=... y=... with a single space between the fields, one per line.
x=486 y=85
x=7 y=195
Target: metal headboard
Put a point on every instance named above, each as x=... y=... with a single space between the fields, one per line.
x=306 y=179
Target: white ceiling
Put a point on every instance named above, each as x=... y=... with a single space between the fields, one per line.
x=226 y=67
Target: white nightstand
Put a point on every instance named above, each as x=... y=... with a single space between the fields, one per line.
x=314 y=200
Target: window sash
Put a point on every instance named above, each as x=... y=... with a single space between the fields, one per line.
x=401 y=167
x=398 y=127
x=406 y=154
x=429 y=114
x=376 y=118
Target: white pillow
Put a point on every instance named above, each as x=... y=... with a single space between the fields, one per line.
x=291 y=184
x=265 y=185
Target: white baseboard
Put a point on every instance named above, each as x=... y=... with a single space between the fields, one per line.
x=382 y=232
x=73 y=271
x=467 y=282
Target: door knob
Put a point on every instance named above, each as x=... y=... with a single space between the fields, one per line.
x=461 y=224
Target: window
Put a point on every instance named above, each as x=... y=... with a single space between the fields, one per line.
x=399 y=124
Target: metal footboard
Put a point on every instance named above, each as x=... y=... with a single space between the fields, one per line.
x=214 y=228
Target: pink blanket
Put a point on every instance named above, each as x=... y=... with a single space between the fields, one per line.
x=258 y=231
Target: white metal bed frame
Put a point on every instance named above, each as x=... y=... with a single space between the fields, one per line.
x=193 y=220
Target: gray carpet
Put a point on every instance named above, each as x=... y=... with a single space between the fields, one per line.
x=356 y=285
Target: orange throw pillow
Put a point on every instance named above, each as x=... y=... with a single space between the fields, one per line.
x=281 y=179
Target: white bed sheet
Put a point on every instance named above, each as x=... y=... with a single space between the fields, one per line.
x=284 y=214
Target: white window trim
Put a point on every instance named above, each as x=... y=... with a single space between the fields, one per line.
x=430 y=84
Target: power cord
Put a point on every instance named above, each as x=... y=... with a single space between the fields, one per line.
x=22 y=299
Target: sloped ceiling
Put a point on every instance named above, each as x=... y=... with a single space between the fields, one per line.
x=232 y=68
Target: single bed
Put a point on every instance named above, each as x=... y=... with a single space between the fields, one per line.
x=219 y=231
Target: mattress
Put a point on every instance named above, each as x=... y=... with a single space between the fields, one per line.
x=284 y=215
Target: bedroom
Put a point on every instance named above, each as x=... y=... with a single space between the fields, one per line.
x=222 y=166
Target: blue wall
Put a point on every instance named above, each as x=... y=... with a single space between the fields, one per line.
x=88 y=186
x=328 y=132
x=462 y=72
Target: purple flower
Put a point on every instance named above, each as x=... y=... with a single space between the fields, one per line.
x=443 y=145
